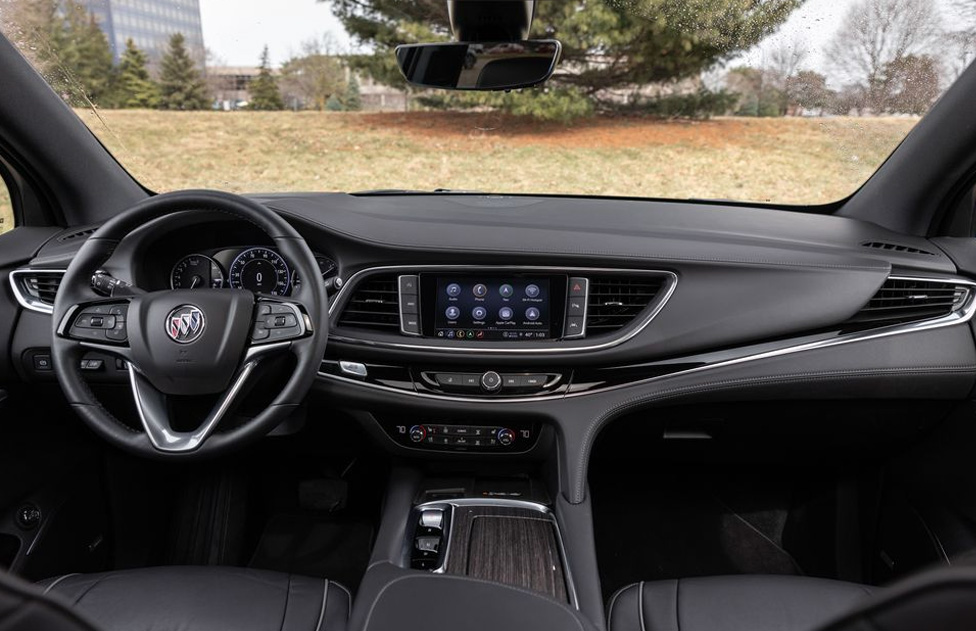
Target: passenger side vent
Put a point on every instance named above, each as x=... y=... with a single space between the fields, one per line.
x=374 y=304
x=901 y=300
x=615 y=301
x=894 y=247
x=36 y=289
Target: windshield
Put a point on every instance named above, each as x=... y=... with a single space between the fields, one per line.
x=781 y=101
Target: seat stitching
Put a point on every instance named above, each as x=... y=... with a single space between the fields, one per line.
x=325 y=601
x=90 y=587
x=58 y=580
x=677 y=604
x=613 y=601
x=640 y=604
x=284 y=611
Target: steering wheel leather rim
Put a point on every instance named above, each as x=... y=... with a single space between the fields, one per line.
x=76 y=289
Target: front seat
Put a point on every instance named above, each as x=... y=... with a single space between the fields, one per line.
x=175 y=599
x=733 y=603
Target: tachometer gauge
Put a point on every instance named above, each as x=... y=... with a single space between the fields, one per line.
x=196 y=271
x=260 y=270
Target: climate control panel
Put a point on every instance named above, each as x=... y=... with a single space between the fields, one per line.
x=484 y=438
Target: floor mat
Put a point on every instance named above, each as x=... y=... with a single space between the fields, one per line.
x=299 y=544
x=680 y=527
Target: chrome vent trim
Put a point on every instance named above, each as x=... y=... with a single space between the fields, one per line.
x=668 y=279
x=902 y=300
x=373 y=305
x=35 y=289
x=615 y=301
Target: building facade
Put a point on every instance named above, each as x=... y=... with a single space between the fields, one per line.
x=150 y=24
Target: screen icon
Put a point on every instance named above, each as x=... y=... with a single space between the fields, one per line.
x=532 y=314
x=532 y=291
x=479 y=313
x=453 y=290
x=506 y=290
x=505 y=313
x=452 y=313
x=480 y=290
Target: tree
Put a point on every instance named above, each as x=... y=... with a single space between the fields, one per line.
x=807 y=90
x=353 y=100
x=877 y=33
x=65 y=44
x=180 y=84
x=135 y=87
x=333 y=104
x=606 y=43
x=265 y=94
x=309 y=80
x=913 y=83
x=758 y=95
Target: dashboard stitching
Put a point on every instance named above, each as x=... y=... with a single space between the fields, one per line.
x=678 y=392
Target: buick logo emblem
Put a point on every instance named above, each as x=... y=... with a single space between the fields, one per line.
x=185 y=324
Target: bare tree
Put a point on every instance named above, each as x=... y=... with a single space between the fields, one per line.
x=961 y=39
x=877 y=33
x=310 y=78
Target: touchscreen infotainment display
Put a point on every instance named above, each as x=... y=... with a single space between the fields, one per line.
x=492 y=308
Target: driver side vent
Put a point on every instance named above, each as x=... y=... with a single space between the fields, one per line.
x=901 y=300
x=38 y=287
x=615 y=301
x=374 y=305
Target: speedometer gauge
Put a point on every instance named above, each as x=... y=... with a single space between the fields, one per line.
x=196 y=271
x=260 y=270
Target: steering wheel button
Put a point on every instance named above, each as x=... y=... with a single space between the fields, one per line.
x=260 y=333
x=276 y=309
x=264 y=310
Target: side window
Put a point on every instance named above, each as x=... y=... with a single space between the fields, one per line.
x=6 y=209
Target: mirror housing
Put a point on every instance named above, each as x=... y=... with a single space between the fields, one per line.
x=502 y=65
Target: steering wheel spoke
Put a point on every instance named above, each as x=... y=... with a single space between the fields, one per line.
x=277 y=321
x=100 y=324
x=153 y=408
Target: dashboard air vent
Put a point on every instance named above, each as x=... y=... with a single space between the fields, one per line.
x=374 y=305
x=615 y=301
x=41 y=286
x=894 y=247
x=84 y=232
x=901 y=300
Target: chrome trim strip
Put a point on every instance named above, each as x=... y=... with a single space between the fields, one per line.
x=501 y=503
x=26 y=301
x=670 y=278
x=960 y=316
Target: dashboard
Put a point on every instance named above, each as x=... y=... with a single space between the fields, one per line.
x=491 y=313
x=257 y=268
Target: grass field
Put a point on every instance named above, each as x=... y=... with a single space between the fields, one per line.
x=789 y=160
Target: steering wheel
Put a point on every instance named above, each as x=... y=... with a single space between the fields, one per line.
x=188 y=342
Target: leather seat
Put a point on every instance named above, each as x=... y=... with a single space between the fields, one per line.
x=733 y=603
x=201 y=599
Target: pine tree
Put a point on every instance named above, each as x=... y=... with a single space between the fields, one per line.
x=135 y=87
x=353 y=99
x=80 y=59
x=265 y=94
x=180 y=84
x=333 y=104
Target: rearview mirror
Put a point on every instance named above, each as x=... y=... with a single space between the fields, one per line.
x=479 y=65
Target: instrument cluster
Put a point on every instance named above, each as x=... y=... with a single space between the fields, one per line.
x=260 y=269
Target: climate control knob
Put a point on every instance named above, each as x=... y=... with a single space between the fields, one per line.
x=418 y=433
x=506 y=436
x=491 y=381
